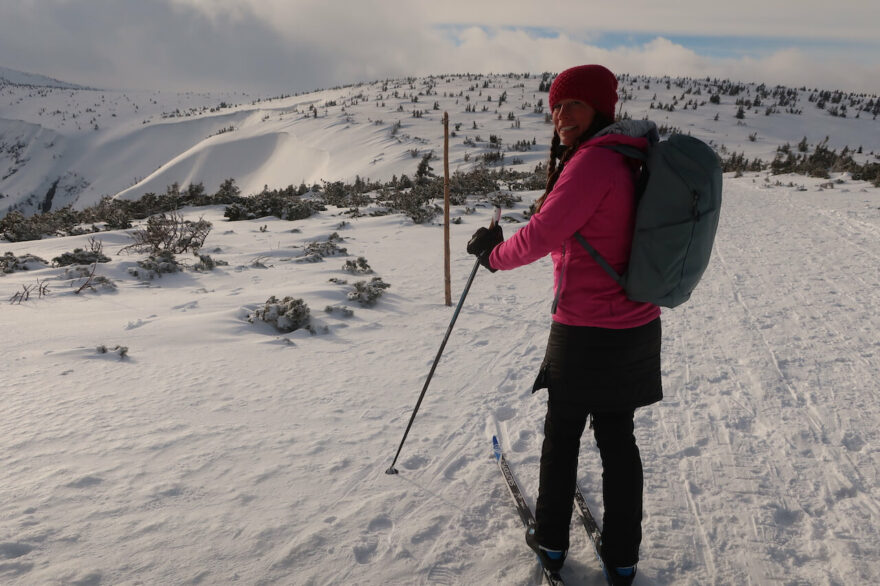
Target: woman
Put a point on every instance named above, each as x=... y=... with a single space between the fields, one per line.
x=603 y=354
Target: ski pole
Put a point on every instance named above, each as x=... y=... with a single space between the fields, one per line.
x=391 y=469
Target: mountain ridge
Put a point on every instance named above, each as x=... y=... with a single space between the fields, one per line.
x=86 y=144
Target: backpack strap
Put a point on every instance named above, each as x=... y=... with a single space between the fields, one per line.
x=627 y=151
x=632 y=153
x=598 y=258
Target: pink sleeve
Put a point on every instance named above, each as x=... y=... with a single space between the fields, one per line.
x=574 y=199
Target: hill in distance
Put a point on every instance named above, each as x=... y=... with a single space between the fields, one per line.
x=64 y=145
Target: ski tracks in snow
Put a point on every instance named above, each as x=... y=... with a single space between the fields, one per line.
x=770 y=415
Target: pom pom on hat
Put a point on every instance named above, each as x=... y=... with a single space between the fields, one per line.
x=593 y=84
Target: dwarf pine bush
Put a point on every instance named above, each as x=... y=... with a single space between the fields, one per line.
x=206 y=263
x=359 y=266
x=316 y=251
x=286 y=315
x=342 y=310
x=169 y=232
x=9 y=263
x=155 y=266
x=504 y=199
x=284 y=204
x=84 y=278
x=14 y=227
x=121 y=351
x=367 y=293
x=80 y=257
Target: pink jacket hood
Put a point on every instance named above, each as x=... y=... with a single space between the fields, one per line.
x=594 y=196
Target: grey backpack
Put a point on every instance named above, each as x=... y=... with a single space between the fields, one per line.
x=678 y=205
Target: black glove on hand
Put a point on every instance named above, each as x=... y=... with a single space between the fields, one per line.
x=482 y=243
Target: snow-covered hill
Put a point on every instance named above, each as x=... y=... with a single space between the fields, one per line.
x=13 y=77
x=85 y=144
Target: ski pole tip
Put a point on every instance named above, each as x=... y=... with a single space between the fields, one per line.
x=391 y=470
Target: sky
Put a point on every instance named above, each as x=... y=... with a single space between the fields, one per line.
x=270 y=47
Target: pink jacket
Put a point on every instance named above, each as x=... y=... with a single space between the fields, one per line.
x=593 y=196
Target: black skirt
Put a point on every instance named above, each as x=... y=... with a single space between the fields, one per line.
x=603 y=369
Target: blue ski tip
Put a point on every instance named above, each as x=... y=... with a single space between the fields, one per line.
x=496 y=448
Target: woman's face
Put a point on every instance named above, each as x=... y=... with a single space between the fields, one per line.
x=571 y=118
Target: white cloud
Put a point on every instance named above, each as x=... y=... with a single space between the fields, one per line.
x=273 y=46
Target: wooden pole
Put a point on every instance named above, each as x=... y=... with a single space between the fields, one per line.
x=446 y=262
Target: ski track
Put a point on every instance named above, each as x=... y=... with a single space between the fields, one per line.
x=761 y=465
x=776 y=415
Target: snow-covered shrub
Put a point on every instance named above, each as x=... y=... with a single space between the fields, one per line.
x=341 y=195
x=415 y=203
x=368 y=292
x=170 y=232
x=342 y=310
x=82 y=277
x=505 y=200
x=155 y=266
x=206 y=263
x=79 y=257
x=310 y=258
x=122 y=351
x=15 y=227
x=113 y=213
x=283 y=204
x=316 y=251
x=357 y=267
x=287 y=315
x=9 y=263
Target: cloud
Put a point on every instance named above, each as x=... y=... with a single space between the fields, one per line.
x=137 y=43
x=846 y=19
x=268 y=47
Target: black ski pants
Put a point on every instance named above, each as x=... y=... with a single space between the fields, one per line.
x=622 y=480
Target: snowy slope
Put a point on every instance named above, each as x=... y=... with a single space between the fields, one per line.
x=220 y=451
x=96 y=143
x=11 y=76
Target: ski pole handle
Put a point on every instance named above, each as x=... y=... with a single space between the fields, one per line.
x=496 y=217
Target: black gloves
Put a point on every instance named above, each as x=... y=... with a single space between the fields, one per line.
x=482 y=243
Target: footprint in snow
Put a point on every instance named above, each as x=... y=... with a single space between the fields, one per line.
x=415 y=462
x=524 y=443
x=853 y=442
x=505 y=413
x=453 y=469
x=365 y=550
x=379 y=524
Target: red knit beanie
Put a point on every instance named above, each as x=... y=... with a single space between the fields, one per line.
x=593 y=84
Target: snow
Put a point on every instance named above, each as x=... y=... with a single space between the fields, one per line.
x=12 y=76
x=219 y=451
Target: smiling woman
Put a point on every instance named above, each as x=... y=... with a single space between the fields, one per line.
x=571 y=118
x=603 y=354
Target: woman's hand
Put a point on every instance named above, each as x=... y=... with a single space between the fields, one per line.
x=482 y=243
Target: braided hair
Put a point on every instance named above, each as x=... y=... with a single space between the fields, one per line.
x=560 y=154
